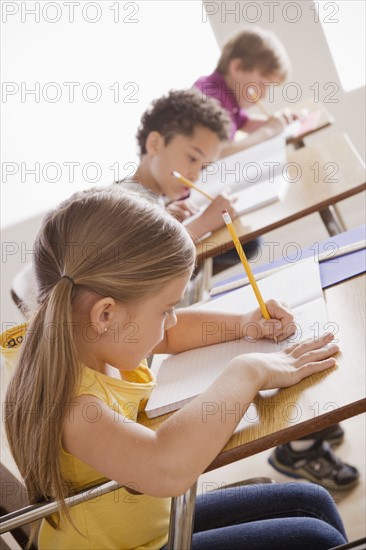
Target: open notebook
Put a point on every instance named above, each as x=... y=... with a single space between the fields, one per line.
x=254 y=175
x=181 y=377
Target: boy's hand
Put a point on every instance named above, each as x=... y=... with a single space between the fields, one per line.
x=279 y=327
x=212 y=217
x=182 y=209
x=286 y=116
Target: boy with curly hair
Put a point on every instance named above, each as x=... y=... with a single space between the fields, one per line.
x=181 y=132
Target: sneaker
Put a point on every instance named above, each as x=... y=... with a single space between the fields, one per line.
x=334 y=435
x=319 y=464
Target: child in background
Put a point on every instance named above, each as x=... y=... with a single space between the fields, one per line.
x=107 y=302
x=182 y=133
x=250 y=62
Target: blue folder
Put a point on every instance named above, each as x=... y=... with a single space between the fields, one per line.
x=334 y=270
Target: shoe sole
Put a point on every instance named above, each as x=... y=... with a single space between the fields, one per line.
x=306 y=475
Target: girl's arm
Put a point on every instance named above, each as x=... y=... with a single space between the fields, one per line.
x=195 y=328
x=167 y=462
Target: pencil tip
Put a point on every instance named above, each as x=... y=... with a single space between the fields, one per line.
x=224 y=212
x=176 y=174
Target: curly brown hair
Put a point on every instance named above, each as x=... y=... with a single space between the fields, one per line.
x=180 y=112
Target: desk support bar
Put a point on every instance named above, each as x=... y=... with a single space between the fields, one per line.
x=181 y=520
x=333 y=223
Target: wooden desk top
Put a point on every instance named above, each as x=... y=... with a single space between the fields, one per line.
x=316 y=402
x=320 y=175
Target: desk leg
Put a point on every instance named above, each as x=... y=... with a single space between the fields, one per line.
x=339 y=217
x=181 y=520
x=298 y=144
x=332 y=222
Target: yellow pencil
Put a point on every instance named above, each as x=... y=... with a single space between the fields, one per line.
x=255 y=98
x=244 y=261
x=192 y=185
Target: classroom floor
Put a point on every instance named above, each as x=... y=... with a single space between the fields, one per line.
x=351 y=504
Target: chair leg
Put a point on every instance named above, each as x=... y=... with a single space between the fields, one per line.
x=14 y=497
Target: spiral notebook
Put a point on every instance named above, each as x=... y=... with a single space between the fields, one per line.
x=182 y=377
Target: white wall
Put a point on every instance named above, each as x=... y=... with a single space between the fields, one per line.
x=92 y=82
x=140 y=49
x=307 y=47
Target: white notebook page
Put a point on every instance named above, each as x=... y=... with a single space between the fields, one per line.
x=245 y=169
x=181 y=377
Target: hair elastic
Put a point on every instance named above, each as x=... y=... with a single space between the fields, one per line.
x=67 y=277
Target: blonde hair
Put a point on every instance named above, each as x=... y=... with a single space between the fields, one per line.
x=257 y=49
x=116 y=243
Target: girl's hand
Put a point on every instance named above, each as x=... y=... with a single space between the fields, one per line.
x=182 y=209
x=280 y=327
x=295 y=362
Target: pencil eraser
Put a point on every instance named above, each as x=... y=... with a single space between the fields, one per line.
x=226 y=216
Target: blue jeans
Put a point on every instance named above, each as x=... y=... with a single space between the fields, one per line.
x=267 y=517
x=252 y=251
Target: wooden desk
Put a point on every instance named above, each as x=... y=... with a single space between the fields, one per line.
x=325 y=120
x=328 y=171
x=313 y=404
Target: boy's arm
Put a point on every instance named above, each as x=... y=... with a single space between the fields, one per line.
x=195 y=328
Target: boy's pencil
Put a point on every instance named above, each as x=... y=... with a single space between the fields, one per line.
x=244 y=261
x=254 y=97
x=190 y=184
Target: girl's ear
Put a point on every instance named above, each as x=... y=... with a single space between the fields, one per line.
x=154 y=143
x=102 y=314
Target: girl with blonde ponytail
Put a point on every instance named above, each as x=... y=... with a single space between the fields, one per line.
x=111 y=265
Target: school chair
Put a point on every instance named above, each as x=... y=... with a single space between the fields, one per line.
x=23 y=290
x=18 y=520
x=13 y=497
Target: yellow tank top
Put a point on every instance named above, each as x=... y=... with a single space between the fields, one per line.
x=118 y=520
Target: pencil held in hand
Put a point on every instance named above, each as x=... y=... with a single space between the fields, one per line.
x=191 y=185
x=245 y=263
x=254 y=96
